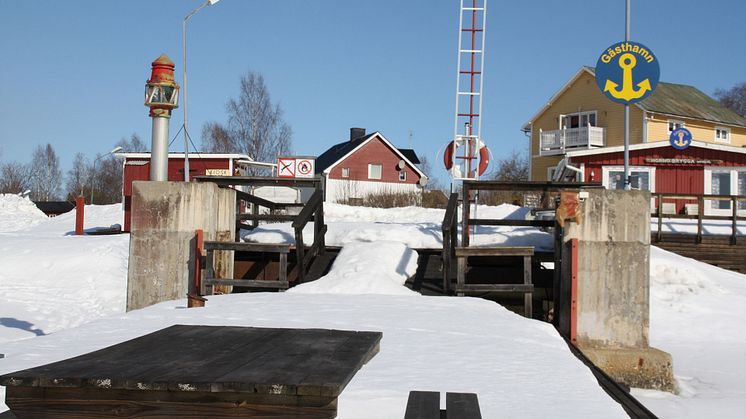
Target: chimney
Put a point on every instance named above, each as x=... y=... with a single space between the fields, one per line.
x=356 y=133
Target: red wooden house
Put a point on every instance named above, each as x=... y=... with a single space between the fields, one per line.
x=366 y=164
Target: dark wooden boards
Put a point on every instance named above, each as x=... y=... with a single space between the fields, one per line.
x=181 y=364
x=495 y=251
x=715 y=250
x=426 y=405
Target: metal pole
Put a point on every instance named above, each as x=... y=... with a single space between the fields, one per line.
x=186 y=106
x=627 y=183
x=159 y=160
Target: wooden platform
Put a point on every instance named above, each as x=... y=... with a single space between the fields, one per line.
x=199 y=371
x=715 y=250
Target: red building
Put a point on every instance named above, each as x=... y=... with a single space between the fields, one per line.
x=137 y=167
x=368 y=163
x=702 y=168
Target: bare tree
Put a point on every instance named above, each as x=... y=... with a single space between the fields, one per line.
x=133 y=145
x=255 y=126
x=513 y=168
x=733 y=98
x=78 y=181
x=14 y=178
x=46 y=175
x=107 y=181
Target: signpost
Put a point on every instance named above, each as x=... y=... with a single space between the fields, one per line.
x=627 y=72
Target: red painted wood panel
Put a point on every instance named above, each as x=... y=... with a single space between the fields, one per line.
x=374 y=151
x=683 y=178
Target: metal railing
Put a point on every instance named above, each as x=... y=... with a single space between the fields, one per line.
x=557 y=141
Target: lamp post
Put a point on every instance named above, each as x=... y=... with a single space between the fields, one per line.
x=161 y=96
x=93 y=171
x=186 y=107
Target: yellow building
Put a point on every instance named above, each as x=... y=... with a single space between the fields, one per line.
x=580 y=120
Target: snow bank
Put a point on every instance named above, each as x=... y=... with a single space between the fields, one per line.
x=52 y=281
x=519 y=368
x=697 y=314
x=367 y=268
x=17 y=213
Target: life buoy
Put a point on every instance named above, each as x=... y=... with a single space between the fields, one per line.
x=484 y=155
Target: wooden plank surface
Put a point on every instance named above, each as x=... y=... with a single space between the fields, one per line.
x=215 y=358
x=423 y=405
x=248 y=283
x=462 y=406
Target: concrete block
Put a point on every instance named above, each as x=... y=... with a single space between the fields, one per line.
x=612 y=215
x=165 y=216
x=613 y=294
x=636 y=367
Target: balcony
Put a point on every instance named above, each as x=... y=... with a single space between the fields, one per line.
x=561 y=140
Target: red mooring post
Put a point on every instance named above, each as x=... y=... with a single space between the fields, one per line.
x=574 y=291
x=79 y=210
x=194 y=299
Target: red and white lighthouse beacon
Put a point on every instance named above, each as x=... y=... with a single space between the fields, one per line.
x=161 y=96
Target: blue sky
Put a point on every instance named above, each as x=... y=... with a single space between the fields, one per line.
x=73 y=72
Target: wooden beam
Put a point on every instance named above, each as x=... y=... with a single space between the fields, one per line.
x=524 y=288
x=247 y=247
x=495 y=251
x=247 y=283
x=520 y=223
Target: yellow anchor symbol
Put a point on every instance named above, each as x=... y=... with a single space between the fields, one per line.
x=681 y=142
x=627 y=62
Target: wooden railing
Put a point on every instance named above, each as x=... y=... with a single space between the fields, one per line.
x=450 y=238
x=700 y=215
x=313 y=209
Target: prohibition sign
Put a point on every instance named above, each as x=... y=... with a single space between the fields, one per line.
x=305 y=167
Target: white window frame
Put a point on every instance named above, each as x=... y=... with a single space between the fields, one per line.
x=606 y=170
x=345 y=172
x=726 y=131
x=682 y=124
x=371 y=166
x=550 y=172
x=734 y=188
x=580 y=117
x=402 y=176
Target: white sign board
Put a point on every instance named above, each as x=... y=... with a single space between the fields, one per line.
x=296 y=167
x=304 y=168
x=286 y=167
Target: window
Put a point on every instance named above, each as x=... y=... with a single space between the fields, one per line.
x=674 y=124
x=345 y=172
x=576 y=120
x=641 y=177
x=374 y=171
x=722 y=135
x=724 y=181
x=402 y=176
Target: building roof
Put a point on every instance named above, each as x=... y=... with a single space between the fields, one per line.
x=339 y=152
x=191 y=156
x=54 y=207
x=670 y=99
x=336 y=152
x=690 y=102
x=655 y=144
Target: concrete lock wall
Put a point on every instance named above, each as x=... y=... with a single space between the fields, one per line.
x=613 y=288
x=165 y=216
x=613 y=268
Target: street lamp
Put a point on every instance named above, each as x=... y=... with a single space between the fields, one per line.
x=186 y=113
x=93 y=171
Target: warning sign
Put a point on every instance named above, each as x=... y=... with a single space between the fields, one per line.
x=304 y=168
x=286 y=167
x=296 y=167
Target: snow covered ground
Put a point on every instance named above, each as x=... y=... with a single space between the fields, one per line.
x=62 y=295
